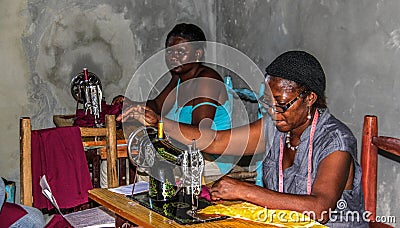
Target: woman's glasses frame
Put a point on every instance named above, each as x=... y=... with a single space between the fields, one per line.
x=279 y=108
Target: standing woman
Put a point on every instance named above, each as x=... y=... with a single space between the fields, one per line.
x=310 y=156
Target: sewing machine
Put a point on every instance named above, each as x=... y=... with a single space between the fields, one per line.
x=87 y=90
x=175 y=172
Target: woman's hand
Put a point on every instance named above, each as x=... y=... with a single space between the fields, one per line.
x=118 y=99
x=227 y=188
x=146 y=116
x=143 y=114
x=126 y=114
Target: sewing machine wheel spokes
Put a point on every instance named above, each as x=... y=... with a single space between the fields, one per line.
x=77 y=82
x=141 y=150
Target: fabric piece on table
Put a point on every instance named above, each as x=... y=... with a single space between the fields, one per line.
x=255 y=213
x=205 y=193
x=58 y=153
x=87 y=120
x=57 y=221
x=10 y=213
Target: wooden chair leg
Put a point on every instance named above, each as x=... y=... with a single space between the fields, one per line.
x=26 y=162
x=93 y=159
x=369 y=162
x=122 y=171
x=111 y=145
x=94 y=165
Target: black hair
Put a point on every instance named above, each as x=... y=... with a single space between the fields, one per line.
x=321 y=99
x=302 y=68
x=190 y=32
x=305 y=90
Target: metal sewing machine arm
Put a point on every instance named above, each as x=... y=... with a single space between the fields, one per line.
x=156 y=155
x=87 y=90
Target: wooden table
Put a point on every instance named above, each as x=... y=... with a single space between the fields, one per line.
x=133 y=212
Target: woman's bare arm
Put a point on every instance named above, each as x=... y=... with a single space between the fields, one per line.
x=208 y=88
x=326 y=190
x=165 y=100
x=244 y=140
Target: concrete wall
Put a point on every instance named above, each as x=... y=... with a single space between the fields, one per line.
x=13 y=86
x=45 y=43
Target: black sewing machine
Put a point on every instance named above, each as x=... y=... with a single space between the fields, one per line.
x=87 y=90
x=175 y=172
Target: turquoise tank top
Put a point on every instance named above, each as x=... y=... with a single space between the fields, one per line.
x=222 y=121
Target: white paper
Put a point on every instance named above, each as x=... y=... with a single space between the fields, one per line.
x=140 y=187
x=93 y=217
x=47 y=192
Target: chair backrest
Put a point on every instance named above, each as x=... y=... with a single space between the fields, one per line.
x=26 y=151
x=371 y=142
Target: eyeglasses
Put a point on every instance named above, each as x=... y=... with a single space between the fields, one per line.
x=278 y=108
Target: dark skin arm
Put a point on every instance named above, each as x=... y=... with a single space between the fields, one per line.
x=244 y=140
x=166 y=97
x=156 y=104
x=207 y=86
x=326 y=190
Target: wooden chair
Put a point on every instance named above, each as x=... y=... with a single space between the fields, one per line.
x=109 y=132
x=96 y=151
x=371 y=142
x=101 y=154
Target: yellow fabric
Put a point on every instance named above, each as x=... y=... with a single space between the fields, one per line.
x=248 y=211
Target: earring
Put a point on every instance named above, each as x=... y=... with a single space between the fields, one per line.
x=309 y=113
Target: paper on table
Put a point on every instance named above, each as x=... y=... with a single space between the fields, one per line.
x=93 y=217
x=97 y=217
x=140 y=187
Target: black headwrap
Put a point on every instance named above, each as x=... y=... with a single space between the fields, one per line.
x=300 y=67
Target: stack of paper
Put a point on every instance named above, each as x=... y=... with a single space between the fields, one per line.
x=94 y=217
x=140 y=187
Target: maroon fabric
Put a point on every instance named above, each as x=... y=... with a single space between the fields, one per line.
x=58 y=153
x=58 y=222
x=87 y=120
x=10 y=213
x=205 y=193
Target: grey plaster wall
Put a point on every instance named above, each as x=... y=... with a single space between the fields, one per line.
x=358 y=45
x=13 y=85
x=110 y=38
x=45 y=43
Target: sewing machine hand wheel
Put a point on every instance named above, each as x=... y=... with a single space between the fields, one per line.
x=78 y=81
x=140 y=149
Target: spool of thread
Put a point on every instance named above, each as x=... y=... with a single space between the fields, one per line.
x=85 y=73
x=160 y=132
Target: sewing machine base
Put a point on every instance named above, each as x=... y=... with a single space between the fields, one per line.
x=178 y=210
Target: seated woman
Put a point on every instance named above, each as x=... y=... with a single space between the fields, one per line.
x=310 y=156
x=196 y=94
x=15 y=215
